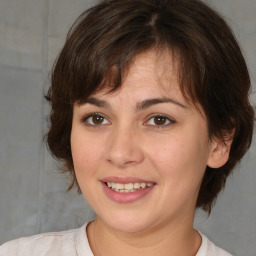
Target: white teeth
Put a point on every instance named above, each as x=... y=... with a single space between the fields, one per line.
x=128 y=187
x=119 y=186
x=125 y=191
x=143 y=185
x=136 y=185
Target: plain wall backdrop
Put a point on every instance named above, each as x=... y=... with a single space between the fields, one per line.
x=33 y=197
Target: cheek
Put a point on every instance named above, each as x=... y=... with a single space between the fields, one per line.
x=85 y=152
x=182 y=157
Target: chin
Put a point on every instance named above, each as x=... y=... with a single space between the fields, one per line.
x=128 y=223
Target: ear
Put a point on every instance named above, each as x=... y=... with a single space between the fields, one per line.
x=219 y=151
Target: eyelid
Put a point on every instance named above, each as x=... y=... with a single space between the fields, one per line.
x=86 y=117
x=171 y=120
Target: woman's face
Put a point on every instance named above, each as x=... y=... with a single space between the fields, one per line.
x=140 y=153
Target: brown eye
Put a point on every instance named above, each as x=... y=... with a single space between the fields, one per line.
x=160 y=120
x=95 y=120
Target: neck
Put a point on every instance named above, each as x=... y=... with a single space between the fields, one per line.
x=162 y=240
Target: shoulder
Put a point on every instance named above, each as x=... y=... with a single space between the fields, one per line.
x=54 y=243
x=210 y=249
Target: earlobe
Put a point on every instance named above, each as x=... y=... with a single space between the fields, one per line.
x=219 y=152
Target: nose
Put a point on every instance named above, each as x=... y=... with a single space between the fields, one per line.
x=124 y=148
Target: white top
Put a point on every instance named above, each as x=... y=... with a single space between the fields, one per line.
x=74 y=242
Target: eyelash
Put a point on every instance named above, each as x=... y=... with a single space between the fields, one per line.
x=84 y=120
x=167 y=119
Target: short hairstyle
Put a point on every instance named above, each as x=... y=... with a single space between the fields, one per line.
x=212 y=71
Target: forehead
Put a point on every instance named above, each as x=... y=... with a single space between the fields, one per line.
x=152 y=71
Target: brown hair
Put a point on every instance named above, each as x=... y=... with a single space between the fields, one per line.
x=212 y=71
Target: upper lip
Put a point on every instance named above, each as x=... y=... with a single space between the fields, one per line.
x=124 y=180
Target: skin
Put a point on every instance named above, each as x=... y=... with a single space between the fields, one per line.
x=128 y=143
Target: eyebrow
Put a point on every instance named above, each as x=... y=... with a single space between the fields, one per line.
x=139 y=106
x=150 y=102
x=97 y=102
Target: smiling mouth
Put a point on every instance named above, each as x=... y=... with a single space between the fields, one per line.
x=128 y=187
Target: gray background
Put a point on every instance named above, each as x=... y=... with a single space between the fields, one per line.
x=33 y=197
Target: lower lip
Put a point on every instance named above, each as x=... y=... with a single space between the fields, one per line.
x=120 y=197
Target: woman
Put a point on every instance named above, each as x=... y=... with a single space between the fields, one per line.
x=144 y=117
